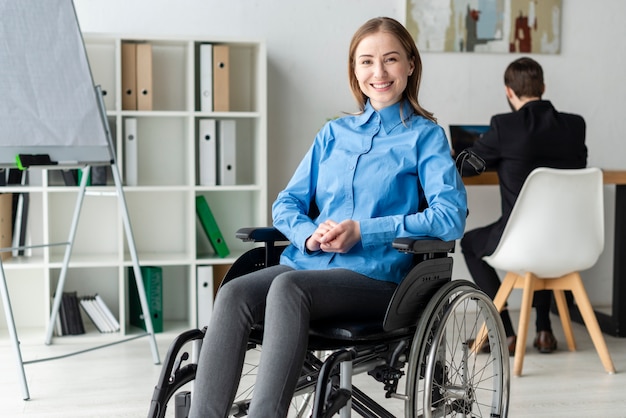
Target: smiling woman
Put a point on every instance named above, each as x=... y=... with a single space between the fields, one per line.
x=382 y=68
x=376 y=175
x=382 y=51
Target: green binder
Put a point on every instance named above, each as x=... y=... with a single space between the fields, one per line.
x=207 y=220
x=153 y=283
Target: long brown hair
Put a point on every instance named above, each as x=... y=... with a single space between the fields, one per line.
x=395 y=28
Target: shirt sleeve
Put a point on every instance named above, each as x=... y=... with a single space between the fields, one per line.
x=443 y=191
x=488 y=146
x=290 y=210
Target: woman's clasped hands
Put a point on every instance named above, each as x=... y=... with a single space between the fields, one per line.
x=333 y=237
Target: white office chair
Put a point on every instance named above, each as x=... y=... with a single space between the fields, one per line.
x=555 y=230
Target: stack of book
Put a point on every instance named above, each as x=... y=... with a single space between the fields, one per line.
x=99 y=313
x=70 y=322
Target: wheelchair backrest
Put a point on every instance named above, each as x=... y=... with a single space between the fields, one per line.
x=415 y=291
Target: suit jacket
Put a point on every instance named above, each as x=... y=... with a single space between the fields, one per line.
x=534 y=136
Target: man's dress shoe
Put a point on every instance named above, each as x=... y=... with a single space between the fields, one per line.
x=545 y=342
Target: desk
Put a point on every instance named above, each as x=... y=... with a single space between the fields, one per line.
x=614 y=324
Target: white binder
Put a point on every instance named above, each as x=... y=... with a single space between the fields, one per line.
x=204 y=293
x=206 y=77
x=130 y=152
x=207 y=152
x=227 y=146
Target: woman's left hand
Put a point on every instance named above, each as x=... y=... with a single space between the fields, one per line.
x=340 y=237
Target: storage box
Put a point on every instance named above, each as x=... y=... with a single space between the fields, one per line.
x=6 y=224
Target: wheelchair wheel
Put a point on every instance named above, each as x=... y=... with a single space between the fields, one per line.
x=446 y=378
x=172 y=397
x=302 y=401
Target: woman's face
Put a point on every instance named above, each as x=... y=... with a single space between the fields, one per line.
x=382 y=68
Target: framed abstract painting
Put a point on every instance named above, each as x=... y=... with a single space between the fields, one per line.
x=502 y=26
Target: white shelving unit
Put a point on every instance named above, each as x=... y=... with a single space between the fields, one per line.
x=162 y=204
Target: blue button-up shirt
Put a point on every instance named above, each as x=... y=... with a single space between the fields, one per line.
x=381 y=172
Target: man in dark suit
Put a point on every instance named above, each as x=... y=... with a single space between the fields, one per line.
x=534 y=135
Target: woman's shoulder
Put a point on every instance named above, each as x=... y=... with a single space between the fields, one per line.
x=424 y=125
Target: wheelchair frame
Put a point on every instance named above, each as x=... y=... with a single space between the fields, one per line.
x=428 y=326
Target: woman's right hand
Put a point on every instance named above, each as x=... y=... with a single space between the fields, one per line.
x=313 y=243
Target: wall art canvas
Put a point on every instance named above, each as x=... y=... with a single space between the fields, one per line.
x=503 y=26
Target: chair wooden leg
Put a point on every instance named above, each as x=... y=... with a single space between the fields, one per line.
x=499 y=300
x=522 y=332
x=566 y=321
x=504 y=291
x=591 y=322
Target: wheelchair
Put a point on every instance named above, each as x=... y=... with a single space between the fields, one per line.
x=424 y=354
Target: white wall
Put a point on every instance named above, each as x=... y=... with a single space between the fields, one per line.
x=307 y=44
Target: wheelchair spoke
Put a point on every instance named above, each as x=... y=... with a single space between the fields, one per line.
x=451 y=379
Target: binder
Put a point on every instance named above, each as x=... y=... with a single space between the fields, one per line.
x=64 y=316
x=76 y=321
x=227 y=146
x=207 y=152
x=153 y=284
x=204 y=294
x=209 y=225
x=21 y=203
x=221 y=78
x=70 y=177
x=131 y=171
x=6 y=224
x=129 y=76
x=99 y=175
x=144 y=76
x=79 y=177
x=205 y=76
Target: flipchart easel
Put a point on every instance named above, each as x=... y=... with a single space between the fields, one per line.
x=90 y=145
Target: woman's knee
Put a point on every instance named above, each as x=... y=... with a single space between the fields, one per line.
x=227 y=293
x=287 y=286
x=234 y=299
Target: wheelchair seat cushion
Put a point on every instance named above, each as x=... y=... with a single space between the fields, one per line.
x=353 y=331
x=332 y=334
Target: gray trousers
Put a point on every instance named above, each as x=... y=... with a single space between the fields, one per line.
x=286 y=300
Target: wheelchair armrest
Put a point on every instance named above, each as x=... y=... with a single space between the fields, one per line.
x=260 y=234
x=407 y=244
x=423 y=246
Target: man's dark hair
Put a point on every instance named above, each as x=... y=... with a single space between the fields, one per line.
x=525 y=77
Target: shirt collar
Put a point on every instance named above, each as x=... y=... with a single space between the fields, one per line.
x=536 y=103
x=390 y=116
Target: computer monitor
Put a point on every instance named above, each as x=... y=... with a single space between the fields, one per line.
x=463 y=136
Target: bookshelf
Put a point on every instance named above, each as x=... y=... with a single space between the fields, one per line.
x=161 y=198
